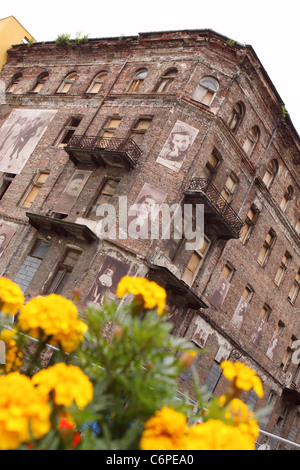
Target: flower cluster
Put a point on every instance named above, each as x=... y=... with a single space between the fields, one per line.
x=242 y=377
x=11 y=297
x=150 y=293
x=23 y=410
x=13 y=355
x=54 y=317
x=66 y=384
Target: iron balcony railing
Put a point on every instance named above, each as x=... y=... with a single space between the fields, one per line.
x=205 y=186
x=110 y=144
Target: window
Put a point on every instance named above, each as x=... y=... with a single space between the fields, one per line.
x=293 y=294
x=107 y=191
x=40 y=249
x=139 y=130
x=248 y=293
x=206 y=91
x=212 y=165
x=97 y=83
x=34 y=189
x=68 y=131
x=228 y=272
x=297 y=227
x=196 y=261
x=165 y=81
x=249 y=224
x=228 y=191
x=281 y=272
x=67 y=83
x=267 y=248
x=41 y=80
x=236 y=117
x=137 y=81
x=271 y=173
x=14 y=83
x=288 y=355
x=111 y=126
x=288 y=196
x=63 y=272
x=251 y=140
x=5 y=183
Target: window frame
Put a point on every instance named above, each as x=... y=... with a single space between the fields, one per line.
x=99 y=193
x=296 y=289
x=269 y=247
x=67 y=83
x=204 y=90
x=166 y=80
x=15 y=81
x=34 y=183
x=97 y=80
x=252 y=138
x=40 y=82
x=137 y=81
x=66 y=269
x=202 y=257
x=69 y=127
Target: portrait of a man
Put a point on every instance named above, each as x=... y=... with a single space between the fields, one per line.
x=177 y=146
x=258 y=331
x=6 y=234
x=72 y=191
x=19 y=136
x=144 y=211
x=240 y=312
x=107 y=280
x=220 y=293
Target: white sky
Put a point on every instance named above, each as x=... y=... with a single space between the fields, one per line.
x=271 y=27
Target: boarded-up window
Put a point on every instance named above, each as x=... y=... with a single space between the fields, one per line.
x=293 y=294
x=34 y=189
x=266 y=248
x=67 y=83
x=63 y=272
x=111 y=126
x=282 y=268
x=206 y=91
x=137 y=81
x=97 y=83
x=196 y=261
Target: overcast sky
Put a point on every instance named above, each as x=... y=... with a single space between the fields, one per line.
x=271 y=27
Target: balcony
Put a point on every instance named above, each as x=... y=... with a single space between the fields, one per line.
x=178 y=292
x=61 y=227
x=103 y=151
x=217 y=211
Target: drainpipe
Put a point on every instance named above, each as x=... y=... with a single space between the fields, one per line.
x=106 y=95
x=257 y=169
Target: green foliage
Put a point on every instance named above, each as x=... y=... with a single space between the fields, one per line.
x=65 y=39
x=134 y=374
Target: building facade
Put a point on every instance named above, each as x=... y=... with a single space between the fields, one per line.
x=98 y=139
x=11 y=32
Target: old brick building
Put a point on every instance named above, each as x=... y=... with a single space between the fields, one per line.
x=185 y=117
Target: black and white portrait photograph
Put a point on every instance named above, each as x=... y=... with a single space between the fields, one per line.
x=220 y=293
x=107 y=280
x=72 y=191
x=240 y=312
x=177 y=146
x=6 y=234
x=275 y=343
x=200 y=337
x=259 y=331
x=144 y=211
x=19 y=136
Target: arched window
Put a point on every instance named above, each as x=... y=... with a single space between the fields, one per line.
x=97 y=83
x=288 y=196
x=41 y=80
x=237 y=116
x=271 y=172
x=67 y=83
x=14 y=83
x=251 y=140
x=137 y=80
x=206 y=90
x=165 y=80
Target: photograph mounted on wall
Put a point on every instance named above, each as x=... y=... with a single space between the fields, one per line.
x=19 y=135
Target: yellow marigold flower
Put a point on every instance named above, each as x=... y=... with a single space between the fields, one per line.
x=13 y=355
x=243 y=377
x=56 y=318
x=151 y=293
x=187 y=359
x=241 y=416
x=11 y=296
x=164 y=431
x=23 y=411
x=216 y=435
x=67 y=383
